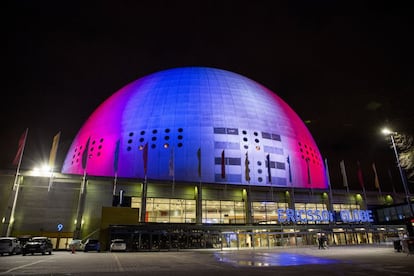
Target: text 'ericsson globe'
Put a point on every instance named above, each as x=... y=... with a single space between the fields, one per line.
x=197 y=124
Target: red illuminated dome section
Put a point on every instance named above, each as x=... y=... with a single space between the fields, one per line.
x=238 y=125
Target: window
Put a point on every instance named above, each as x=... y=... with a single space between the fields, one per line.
x=223 y=212
x=266 y=212
x=170 y=210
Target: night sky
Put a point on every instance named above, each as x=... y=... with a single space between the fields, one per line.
x=346 y=67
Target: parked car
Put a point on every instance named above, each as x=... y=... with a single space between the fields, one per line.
x=38 y=245
x=92 y=245
x=10 y=245
x=75 y=244
x=117 y=245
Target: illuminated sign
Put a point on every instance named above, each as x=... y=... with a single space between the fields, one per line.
x=316 y=215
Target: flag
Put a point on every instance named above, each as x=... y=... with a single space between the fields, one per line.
x=268 y=168
x=53 y=150
x=246 y=168
x=199 y=161
x=85 y=154
x=171 y=162
x=116 y=156
x=376 y=180
x=145 y=158
x=360 y=177
x=343 y=172
x=308 y=169
x=290 y=171
x=223 y=165
x=20 y=149
x=327 y=173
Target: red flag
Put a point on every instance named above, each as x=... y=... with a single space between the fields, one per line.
x=171 y=163
x=360 y=177
x=376 y=180
x=53 y=150
x=223 y=165
x=22 y=143
x=145 y=158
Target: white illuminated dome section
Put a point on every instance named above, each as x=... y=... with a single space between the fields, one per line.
x=198 y=125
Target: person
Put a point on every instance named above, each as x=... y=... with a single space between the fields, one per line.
x=320 y=241
x=324 y=241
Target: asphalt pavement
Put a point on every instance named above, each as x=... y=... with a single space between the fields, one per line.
x=343 y=260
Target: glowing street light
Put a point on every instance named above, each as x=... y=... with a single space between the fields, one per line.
x=391 y=133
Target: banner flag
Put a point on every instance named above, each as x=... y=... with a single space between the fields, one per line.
x=308 y=170
x=343 y=172
x=246 y=168
x=269 y=172
x=171 y=163
x=327 y=173
x=20 y=149
x=376 y=180
x=53 y=150
x=116 y=156
x=145 y=158
x=223 y=165
x=290 y=170
x=85 y=154
x=360 y=176
x=199 y=161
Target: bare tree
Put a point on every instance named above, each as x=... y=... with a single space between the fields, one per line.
x=405 y=145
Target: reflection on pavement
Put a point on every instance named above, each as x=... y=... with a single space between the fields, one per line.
x=270 y=259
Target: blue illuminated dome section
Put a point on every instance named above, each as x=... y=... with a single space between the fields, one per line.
x=197 y=124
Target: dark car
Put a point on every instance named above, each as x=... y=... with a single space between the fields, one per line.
x=38 y=245
x=92 y=245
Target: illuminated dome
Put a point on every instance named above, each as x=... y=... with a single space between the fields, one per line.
x=197 y=124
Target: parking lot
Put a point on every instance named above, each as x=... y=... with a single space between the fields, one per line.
x=351 y=260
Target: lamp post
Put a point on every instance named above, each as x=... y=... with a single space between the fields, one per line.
x=386 y=131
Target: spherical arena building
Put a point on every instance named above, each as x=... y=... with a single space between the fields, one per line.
x=196 y=157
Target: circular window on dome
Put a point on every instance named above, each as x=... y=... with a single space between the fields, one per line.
x=180 y=130
x=256 y=140
x=245 y=139
x=167 y=130
x=244 y=132
x=260 y=179
x=131 y=134
x=259 y=163
x=154 y=138
x=100 y=146
x=180 y=145
x=102 y=139
x=128 y=148
x=141 y=139
x=98 y=154
x=130 y=141
x=153 y=146
x=180 y=137
x=255 y=133
x=259 y=171
x=154 y=131
x=142 y=132
x=167 y=137
x=246 y=146
x=93 y=142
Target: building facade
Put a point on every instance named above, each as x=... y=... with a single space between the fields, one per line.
x=193 y=157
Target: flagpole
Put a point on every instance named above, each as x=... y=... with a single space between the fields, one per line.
x=16 y=187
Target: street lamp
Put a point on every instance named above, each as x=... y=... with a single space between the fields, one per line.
x=390 y=133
